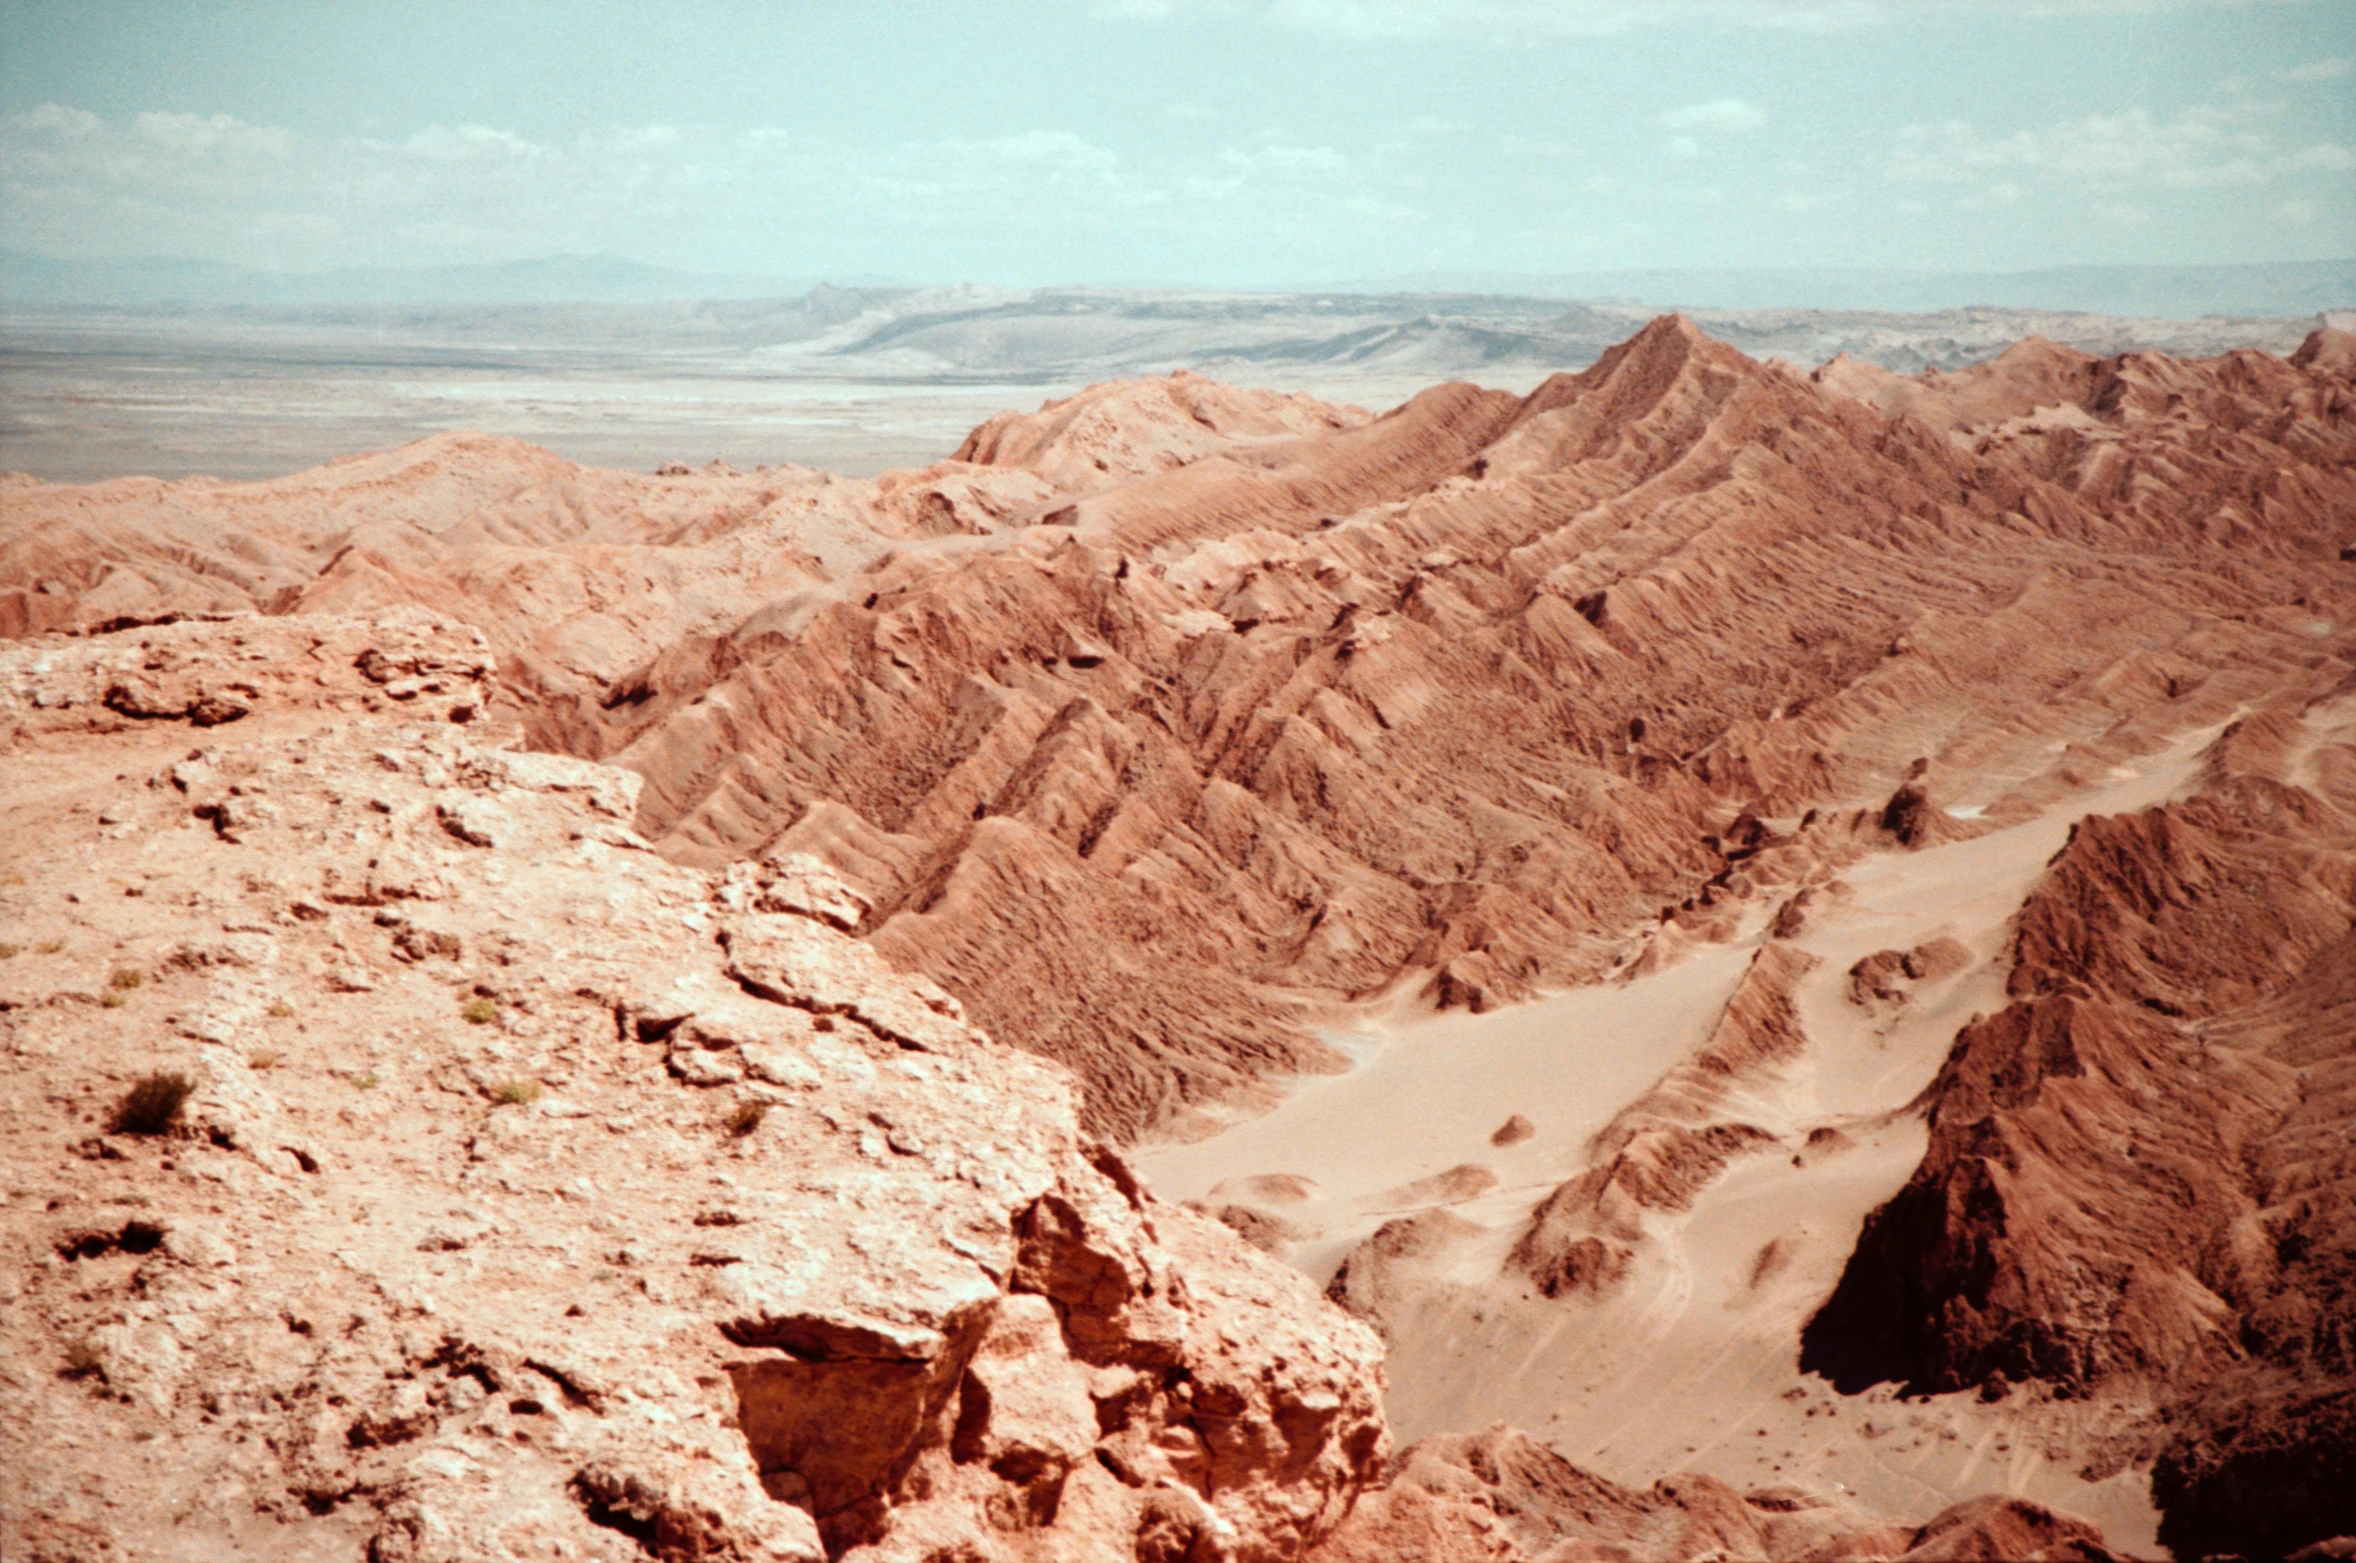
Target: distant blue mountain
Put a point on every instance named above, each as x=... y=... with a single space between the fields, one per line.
x=2163 y=292
x=2296 y=288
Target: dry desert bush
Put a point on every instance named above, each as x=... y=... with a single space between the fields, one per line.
x=153 y=1105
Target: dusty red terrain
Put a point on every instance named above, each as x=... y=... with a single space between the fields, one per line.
x=1152 y=727
x=1469 y=689
x=536 y=1197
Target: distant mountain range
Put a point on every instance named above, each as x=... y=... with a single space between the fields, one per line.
x=2295 y=288
x=970 y=335
x=2149 y=292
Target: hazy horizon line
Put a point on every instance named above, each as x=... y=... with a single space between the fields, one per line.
x=12 y=254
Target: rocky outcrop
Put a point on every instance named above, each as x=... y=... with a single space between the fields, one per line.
x=537 y=1196
x=1884 y=981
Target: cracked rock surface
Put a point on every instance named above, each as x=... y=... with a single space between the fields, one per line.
x=537 y=1197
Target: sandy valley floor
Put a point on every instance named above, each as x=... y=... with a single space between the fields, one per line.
x=1692 y=1362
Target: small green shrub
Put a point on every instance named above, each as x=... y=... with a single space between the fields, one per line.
x=282 y=1010
x=50 y=946
x=125 y=979
x=480 y=1012
x=82 y=1361
x=516 y=1093
x=746 y=1118
x=112 y=1000
x=153 y=1105
x=261 y=1059
x=9 y=952
x=364 y=1082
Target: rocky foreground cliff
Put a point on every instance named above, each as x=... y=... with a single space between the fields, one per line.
x=535 y=1197
x=661 y=1024
x=515 y=1193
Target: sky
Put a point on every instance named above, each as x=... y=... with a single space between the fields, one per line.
x=1206 y=143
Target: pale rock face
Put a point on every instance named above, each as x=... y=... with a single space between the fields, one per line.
x=1024 y=1408
x=799 y=883
x=537 y=1194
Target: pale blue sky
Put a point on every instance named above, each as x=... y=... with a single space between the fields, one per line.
x=1223 y=143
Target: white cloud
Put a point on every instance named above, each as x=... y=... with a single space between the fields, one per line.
x=205 y=133
x=1684 y=147
x=2296 y=211
x=2328 y=156
x=469 y=141
x=2315 y=70
x=2202 y=147
x=215 y=186
x=65 y=121
x=1719 y=114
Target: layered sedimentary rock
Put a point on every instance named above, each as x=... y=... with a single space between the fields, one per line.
x=1476 y=688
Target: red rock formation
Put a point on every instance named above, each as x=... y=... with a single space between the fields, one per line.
x=1219 y=703
x=2139 y=1171
x=1150 y=727
x=1472 y=689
